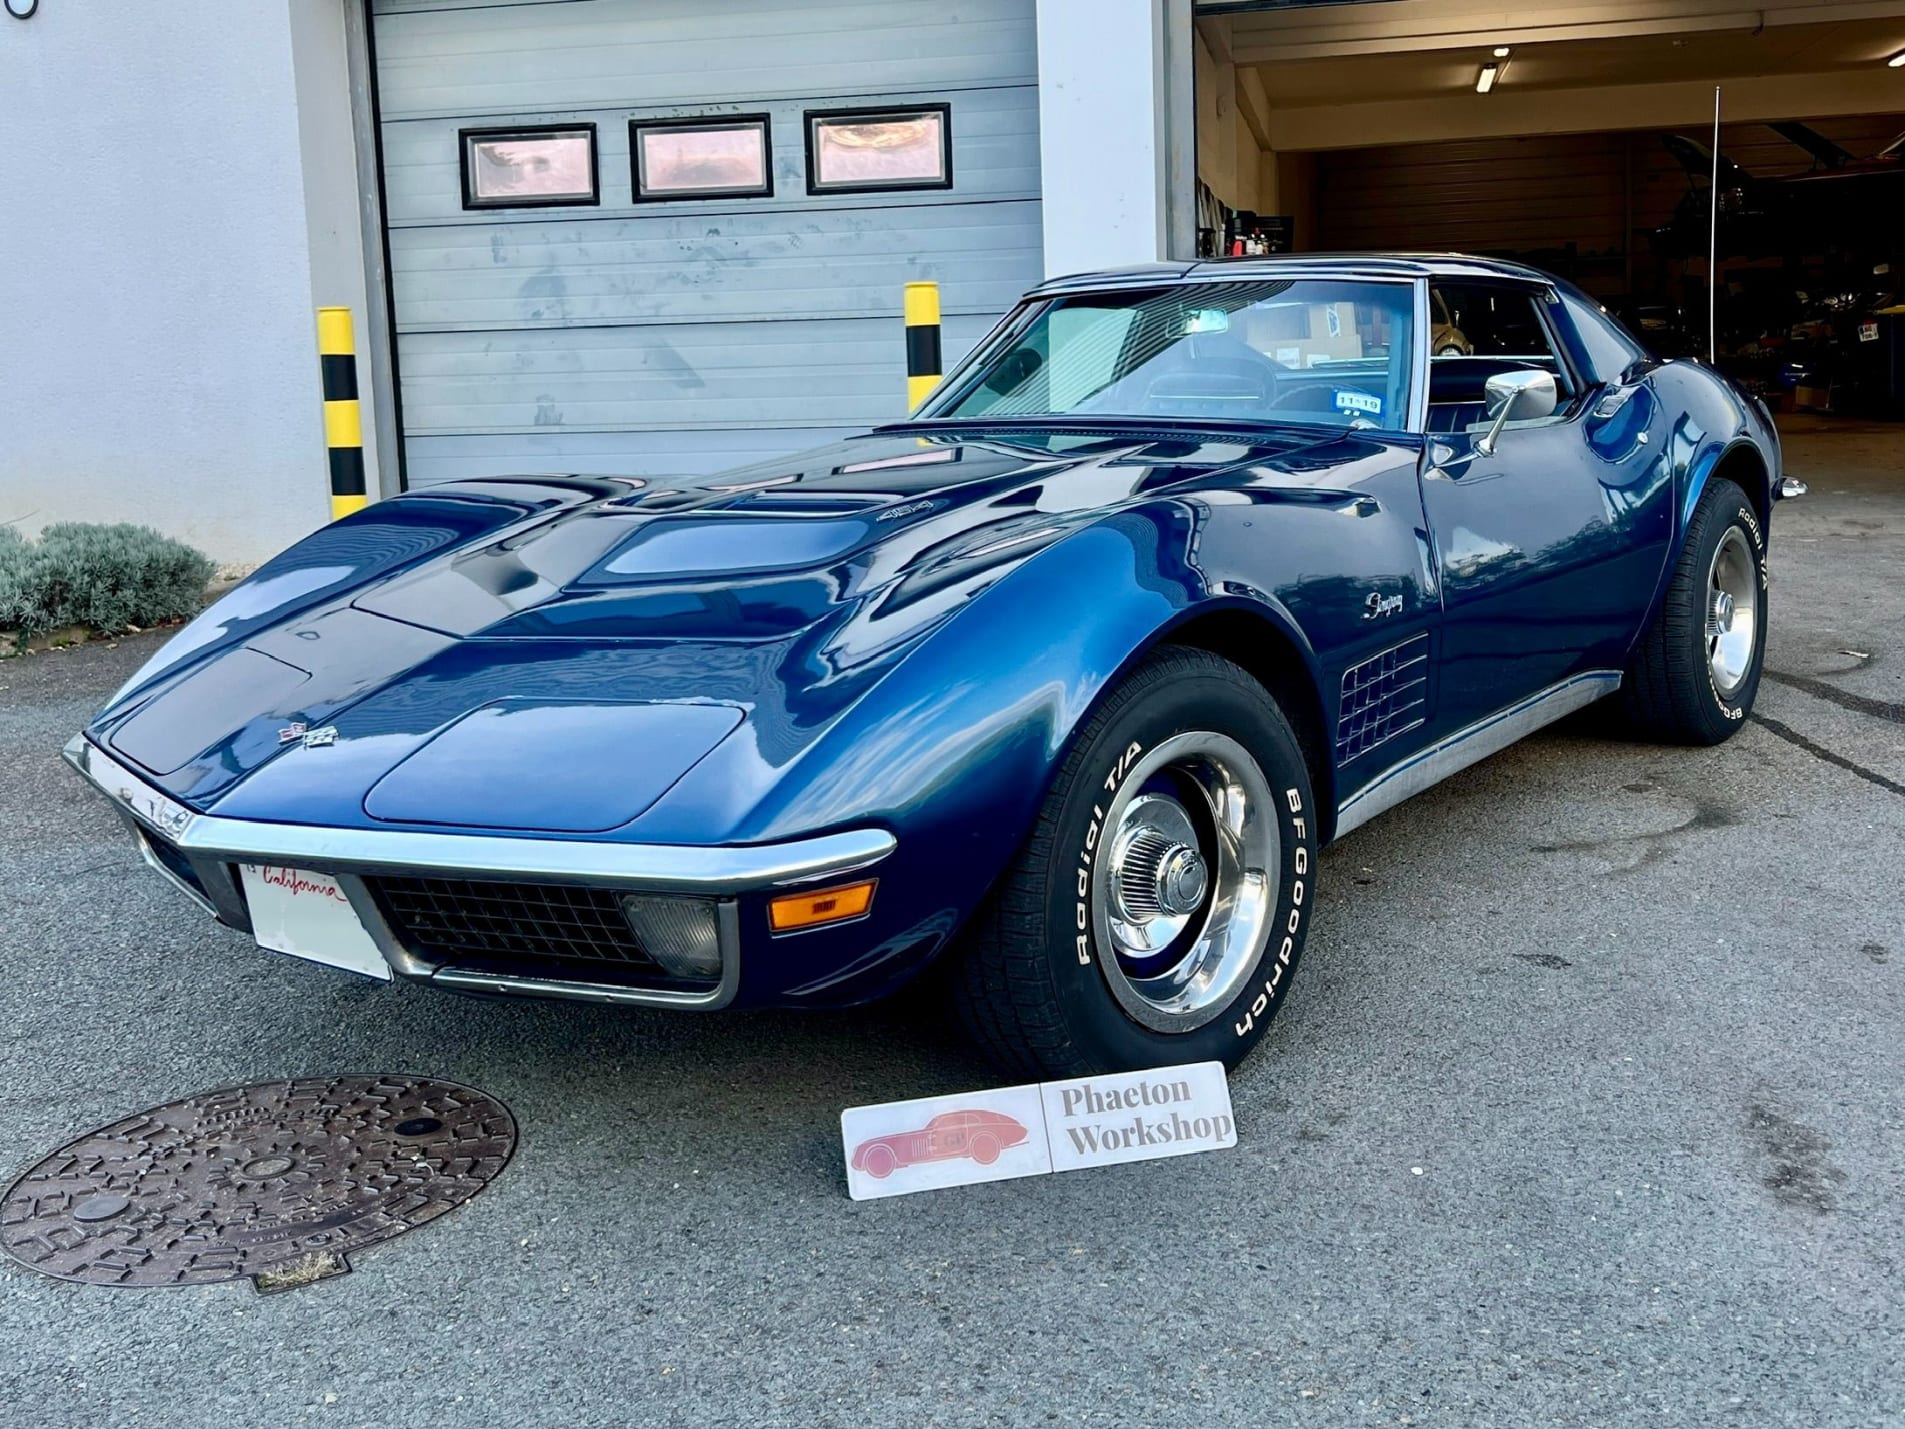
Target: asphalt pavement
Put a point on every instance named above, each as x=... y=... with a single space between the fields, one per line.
x=1586 y=1109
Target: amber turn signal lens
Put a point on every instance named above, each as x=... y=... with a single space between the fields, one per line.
x=811 y=910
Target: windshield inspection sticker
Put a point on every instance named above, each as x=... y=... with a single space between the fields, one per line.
x=996 y=1135
x=1352 y=401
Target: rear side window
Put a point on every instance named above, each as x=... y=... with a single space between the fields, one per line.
x=1610 y=352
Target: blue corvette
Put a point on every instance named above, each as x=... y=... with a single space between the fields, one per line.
x=1056 y=688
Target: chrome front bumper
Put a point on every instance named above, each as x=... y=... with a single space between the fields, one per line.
x=351 y=854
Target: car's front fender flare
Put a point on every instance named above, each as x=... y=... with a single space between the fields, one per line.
x=956 y=748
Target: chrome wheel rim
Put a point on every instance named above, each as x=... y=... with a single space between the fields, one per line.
x=1184 y=879
x=1732 y=615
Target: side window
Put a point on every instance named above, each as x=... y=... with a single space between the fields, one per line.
x=1479 y=330
x=1486 y=320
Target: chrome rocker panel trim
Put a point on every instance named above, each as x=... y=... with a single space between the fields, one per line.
x=1456 y=752
x=660 y=868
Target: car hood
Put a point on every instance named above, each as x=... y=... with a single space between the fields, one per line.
x=547 y=632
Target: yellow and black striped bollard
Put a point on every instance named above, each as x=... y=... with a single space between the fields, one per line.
x=922 y=343
x=343 y=422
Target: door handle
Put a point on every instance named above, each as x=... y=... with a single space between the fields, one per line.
x=1445 y=461
x=1610 y=405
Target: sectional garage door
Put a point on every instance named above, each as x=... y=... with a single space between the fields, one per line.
x=679 y=334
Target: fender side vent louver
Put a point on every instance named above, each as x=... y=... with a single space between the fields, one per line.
x=1386 y=695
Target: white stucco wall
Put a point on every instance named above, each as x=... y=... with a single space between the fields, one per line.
x=157 y=349
x=1115 y=132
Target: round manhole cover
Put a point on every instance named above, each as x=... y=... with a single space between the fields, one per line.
x=278 y=1180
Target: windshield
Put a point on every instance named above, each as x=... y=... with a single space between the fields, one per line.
x=1318 y=351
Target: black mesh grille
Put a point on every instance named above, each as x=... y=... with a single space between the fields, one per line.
x=1382 y=698
x=514 y=927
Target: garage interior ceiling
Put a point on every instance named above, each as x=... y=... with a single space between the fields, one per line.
x=1359 y=127
x=1346 y=76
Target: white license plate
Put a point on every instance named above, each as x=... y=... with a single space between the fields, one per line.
x=308 y=916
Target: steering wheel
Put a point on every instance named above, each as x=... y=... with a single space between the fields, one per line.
x=1214 y=352
x=1300 y=394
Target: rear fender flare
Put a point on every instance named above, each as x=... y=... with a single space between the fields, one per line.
x=1740 y=461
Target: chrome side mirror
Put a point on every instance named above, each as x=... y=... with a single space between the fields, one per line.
x=1521 y=396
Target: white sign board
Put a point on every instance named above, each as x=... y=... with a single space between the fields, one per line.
x=1138 y=1116
x=996 y=1135
x=308 y=916
x=944 y=1141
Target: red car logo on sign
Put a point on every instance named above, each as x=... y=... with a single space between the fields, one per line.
x=978 y=1135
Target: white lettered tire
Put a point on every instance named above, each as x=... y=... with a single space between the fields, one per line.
x=1695 y=670
x=1157 y=912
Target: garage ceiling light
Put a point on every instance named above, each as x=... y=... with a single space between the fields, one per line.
x=1897 y=61
x=1501 y=52
x=1485 y=81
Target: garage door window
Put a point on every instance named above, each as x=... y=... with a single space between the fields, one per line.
x=527 y=168
x=727 y=157
x=874 y=150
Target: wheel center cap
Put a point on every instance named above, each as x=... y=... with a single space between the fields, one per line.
x=1723 y=611
x=1158 y=876
x=1182 y=877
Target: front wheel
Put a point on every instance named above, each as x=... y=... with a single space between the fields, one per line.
x=1695 y=672
x=1156 y=914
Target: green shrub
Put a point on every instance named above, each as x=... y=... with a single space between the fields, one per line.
x=102 y=577
x=14 y=549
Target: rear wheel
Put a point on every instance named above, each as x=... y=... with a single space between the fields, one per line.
x=1695 y=673
x=1157 y=912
